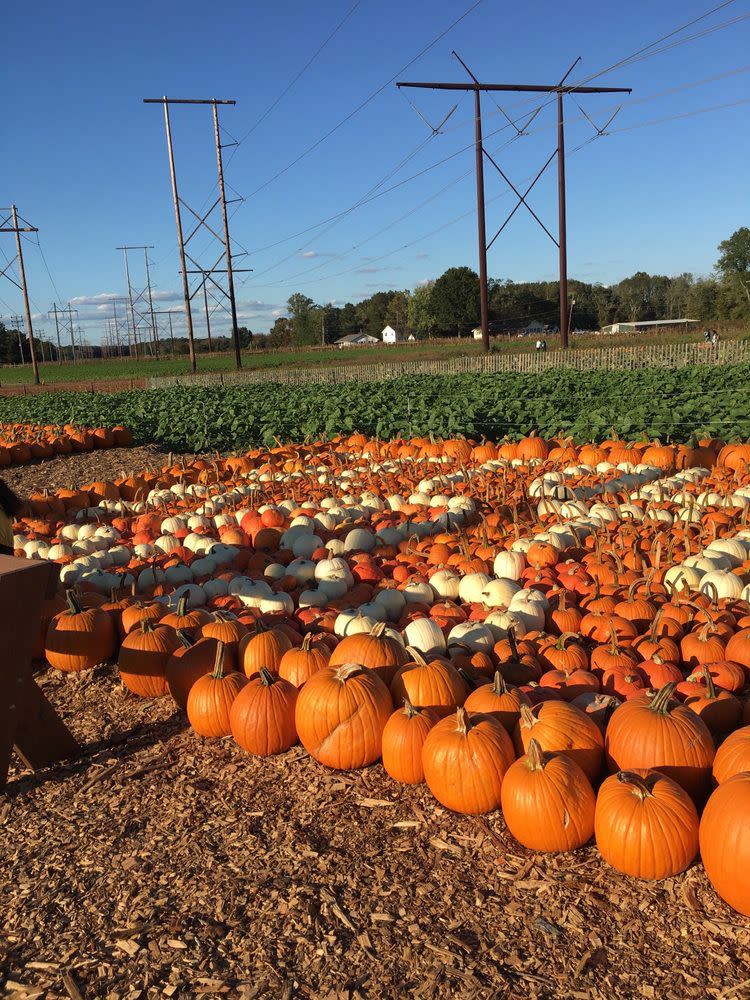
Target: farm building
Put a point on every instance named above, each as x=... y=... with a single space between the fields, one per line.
x=648 y=324
x=534 y=327
x=356 y=340
x=391 y=336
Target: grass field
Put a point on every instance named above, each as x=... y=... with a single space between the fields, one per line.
x=421 y=350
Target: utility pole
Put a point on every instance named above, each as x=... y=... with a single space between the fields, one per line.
x=72 y=339
x=208 y=315
x=168 y=313
x=15 y=228
x=57 y=331
x=130 y=296
x=154 y=330
x=227 y=243
x=17 y=322
x=560 y=90
x=229 y=269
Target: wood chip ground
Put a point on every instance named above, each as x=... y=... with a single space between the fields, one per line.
x=165 y=865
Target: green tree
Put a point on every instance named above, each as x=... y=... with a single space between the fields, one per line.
x=455 y=300
x=734 y=267
x=281 y=334
x=421 y=319
x=397 y=311
x=301 y=312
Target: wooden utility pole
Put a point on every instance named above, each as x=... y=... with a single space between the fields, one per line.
x=202 y=222
x=227 y=242
x=208 y=315
x=53 y=310
x=560 y=90
x=15 y=228
x=154 y=329
x=70 y=312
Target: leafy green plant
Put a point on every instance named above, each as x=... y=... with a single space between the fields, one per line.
x=665 y=403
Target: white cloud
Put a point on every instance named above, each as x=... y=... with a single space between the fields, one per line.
x=309 y=253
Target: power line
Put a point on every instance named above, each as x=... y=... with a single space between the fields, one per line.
x=363 y=104
x=298 y=75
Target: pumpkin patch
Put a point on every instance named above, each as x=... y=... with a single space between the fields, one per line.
x=553 y=632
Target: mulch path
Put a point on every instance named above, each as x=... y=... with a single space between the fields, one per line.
x=67 y=471
x=165 y=865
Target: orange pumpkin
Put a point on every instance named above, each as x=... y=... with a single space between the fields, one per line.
x=403 y=740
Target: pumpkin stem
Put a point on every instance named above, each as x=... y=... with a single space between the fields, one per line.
x=661 y=700
x=710 y=687
x=416 y=656
x=306 y=643
x=462 y=721
x=534 y=756
x=266 y=677
x=499 y=687
x=147 y=625
x=378 y=629
x=347 y=670
x=74 y=605
x=638 y=783
x=182 y=606
x=185 y=638
x=218 y=672
x=409 y=710
x=527 y=716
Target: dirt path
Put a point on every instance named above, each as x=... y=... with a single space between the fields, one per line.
x=74 y=470
x=162 y=864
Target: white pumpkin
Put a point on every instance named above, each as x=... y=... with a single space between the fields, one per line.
x=392 y=600
x=418 y=592
x=526 y=604
x=721 y=584
x=352 y=622
x=193 y=594
x=509 y=565
x=499 y=622
x=476 y=636
x=499 y=593
x=425 y=635
x=472 y=587
x=445 y=583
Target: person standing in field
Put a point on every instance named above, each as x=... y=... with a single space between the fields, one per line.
x=10 y=506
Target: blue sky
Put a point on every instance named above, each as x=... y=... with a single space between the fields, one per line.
x=85 y=159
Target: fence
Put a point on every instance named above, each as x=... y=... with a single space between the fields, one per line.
x=596 y=359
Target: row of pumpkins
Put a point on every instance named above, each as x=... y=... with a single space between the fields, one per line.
x=505 y=628
x=23 y=443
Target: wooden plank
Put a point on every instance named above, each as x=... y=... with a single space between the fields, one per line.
x=28 y=722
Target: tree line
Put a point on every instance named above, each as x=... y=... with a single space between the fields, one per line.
x=449 y=306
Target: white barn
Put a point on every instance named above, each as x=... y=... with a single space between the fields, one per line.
x=391 y=336
x=356 y=340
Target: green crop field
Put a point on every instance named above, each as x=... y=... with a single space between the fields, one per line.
x=110 y=370
x=663 y=403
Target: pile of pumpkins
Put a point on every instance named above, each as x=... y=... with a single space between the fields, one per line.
x=23 y=443
x=549 y=633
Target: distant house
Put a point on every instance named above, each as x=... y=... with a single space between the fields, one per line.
x=494 y=327
x=533 y=327
x=648 y=324
x=356 y=340
x=391 y=336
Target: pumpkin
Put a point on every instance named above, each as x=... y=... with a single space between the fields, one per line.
x=263 y=648
x=143 y=659
x=79 y=638
x=646 y=825
x=719 y=709
x=189 y=662
x=498 y=699
x=733 y=756
x=184 y=619
x=132 y=616
x=341 y=714
x=465 y=758
x=403 y=740
x=433 y=684
x=211 y=697
x=560 y=728
x=724 y=841
x=261 y=718
x=548 y=802
x=375 y=650
x=654 y=731
x=298 y=664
